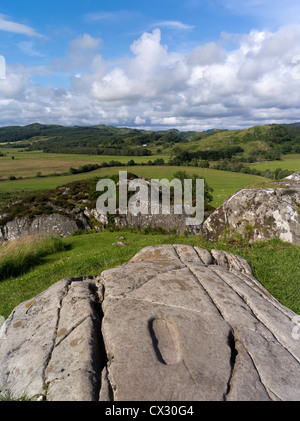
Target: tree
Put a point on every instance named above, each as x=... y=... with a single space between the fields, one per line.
x=130 y=163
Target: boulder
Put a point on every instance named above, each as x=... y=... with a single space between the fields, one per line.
x=53 y=224
x=259 y=214
x=175 y=323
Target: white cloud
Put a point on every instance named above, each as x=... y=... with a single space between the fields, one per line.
x=254 y=83
x=173 y=25
x=139 y=121
x=16 y=28
x=82 y=55
x=207 y=54
x=85 y=42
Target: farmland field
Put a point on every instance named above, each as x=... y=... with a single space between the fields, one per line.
x=288 y=162
x=224 y=183
x=28 y=164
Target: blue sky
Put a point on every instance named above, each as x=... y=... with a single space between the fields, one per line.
x=193 y=64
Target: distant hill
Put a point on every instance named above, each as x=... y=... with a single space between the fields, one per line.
x=266 y=142
x=257 y=143
x=101 y=140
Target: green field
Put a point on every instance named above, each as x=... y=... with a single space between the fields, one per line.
x=224 y=183
x=28 y=164
x=288 y=162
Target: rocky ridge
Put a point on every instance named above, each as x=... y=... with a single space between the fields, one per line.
x=175 y=323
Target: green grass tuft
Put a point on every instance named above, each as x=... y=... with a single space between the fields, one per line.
x=19 y=256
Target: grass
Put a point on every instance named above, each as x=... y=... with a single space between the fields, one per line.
x=224 y=183
x=249 y=139
x=275 y=264
x=289 y=162
x=18 y=256
x=28 y=164
x=8 y=397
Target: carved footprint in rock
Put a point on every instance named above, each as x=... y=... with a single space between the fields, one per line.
x=165 y=340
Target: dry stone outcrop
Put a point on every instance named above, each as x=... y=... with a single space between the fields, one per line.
x=158 y=216
x=175 y=323
x=54 y=224
x=259 y=214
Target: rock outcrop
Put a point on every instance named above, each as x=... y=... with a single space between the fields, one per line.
x=259 y=214
x=53 y=224
x=175 y=323
x=72 y=207
x=172 y=222
x=164 y=217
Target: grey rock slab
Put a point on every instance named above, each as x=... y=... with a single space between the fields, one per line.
x=231 y=261
x=35 y=333
x=245 y=383
x=270 y=315
x=258 y=340
x=76 y=357
x=164 y=353
x=26 y=342
x=205 y=256
x=175 y=323
x=73 y=372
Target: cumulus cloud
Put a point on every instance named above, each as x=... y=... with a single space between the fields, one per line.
x=83 y=54
x=207 y=54
x=85 y=42
x=210 y=86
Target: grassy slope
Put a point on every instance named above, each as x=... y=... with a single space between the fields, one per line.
x=275 y=264
x=248 y=139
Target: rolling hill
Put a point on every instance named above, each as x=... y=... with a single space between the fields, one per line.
x=253 y=144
